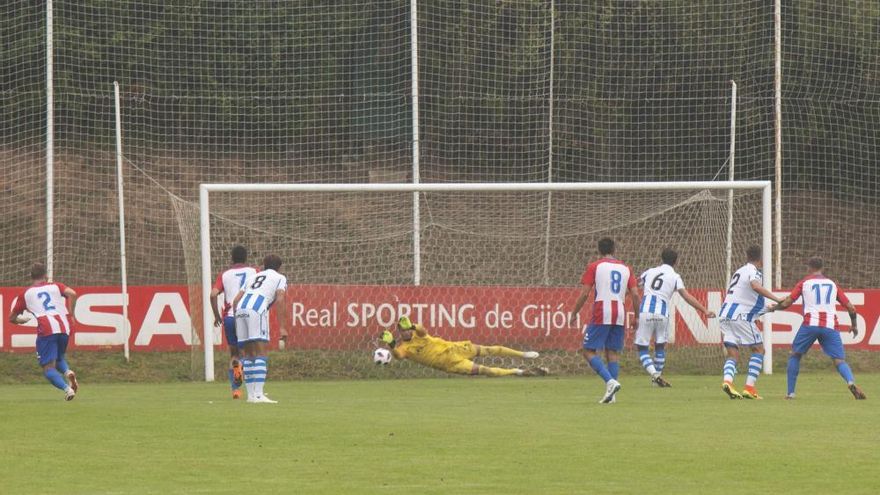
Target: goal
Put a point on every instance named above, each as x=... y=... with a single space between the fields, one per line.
x=495 y=263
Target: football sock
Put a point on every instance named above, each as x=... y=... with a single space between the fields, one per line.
x=729 y=369
x=231 y=375
x=846 y=372
x=260 y=369
x=247 y=364
x=600 y=369
x=61 y=366
x=497 y=350
x=755 y=364
x=647 y=362
x=614 y=369
x=489 y=371
x=55 y=378
x=659 y=357
x=794 y=367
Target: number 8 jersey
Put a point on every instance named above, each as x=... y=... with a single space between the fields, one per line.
x=610 y=278
x=260 y=290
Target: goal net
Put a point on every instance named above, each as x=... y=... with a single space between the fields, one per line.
x=497 y=263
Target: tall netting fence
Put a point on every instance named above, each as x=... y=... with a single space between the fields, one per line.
x=508 y=90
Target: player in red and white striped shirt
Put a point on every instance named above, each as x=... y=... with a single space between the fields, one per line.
x=609 y=280
x=47 y=301
x=820 y=297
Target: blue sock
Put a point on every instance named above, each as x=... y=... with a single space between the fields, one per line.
x=659 y=357
x=794 y=367
x=614 y=369
x=756 y=362
x=599 y=367
x=729 y=369
x=61 y=366
x=55 y=378
x=846 y=372
x=645 y=358
x=232 y=379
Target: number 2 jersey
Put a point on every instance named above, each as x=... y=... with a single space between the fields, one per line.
x=232 y=280
x=48 y=303
x=610 y=278
x=820 y=297
x=659 y=284
x=741 y=301
x=260 y=290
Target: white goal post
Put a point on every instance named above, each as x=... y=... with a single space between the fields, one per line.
x=205 y=190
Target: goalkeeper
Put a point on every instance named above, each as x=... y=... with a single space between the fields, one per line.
x=415 y=344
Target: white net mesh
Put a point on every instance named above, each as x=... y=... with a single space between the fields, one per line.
x=511 y=90
x=344 y=250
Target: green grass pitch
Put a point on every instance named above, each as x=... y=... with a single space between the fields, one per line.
x=442 y=436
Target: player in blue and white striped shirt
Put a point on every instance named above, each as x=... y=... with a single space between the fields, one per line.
x=659 y=284
x=743 y=305
x=252 y=304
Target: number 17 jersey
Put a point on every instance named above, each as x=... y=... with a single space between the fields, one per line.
x=610 y=278
x=260 y=290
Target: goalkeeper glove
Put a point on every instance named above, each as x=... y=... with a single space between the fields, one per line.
x=387 y=338
x=404 y=323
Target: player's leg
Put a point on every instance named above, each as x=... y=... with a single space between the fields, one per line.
x=47 y=355
x=594 y=340
x=756 y=360
x=61 y=363
x=643 y=345
x=260 y=369
x=661 y=336
x=500 y=350
x=803 y=339
x=833 y=346
x=235 y=373
x=248 y=352
x=731 y=349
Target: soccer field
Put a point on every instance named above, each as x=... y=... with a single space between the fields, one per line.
x=438 y=436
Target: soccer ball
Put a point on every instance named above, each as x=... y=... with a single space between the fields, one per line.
x=381 y=356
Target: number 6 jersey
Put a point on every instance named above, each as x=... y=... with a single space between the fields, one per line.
x=659 y=285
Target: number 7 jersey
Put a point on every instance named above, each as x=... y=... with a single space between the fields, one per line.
x=610 y=278
x=260 y=290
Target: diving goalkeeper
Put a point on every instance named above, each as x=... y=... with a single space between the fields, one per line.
x=415 y=344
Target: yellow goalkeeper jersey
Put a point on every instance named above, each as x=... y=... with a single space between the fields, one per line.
x=429 y=351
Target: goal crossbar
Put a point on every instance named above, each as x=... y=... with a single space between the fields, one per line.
x=204 y=220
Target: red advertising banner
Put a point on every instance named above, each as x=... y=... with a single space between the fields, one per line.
x=348 y=317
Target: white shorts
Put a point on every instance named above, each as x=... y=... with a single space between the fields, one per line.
x=251 y=326
x=652 y=326
x=740 y=332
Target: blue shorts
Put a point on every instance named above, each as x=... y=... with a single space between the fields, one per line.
x=604 y=337
x=229 y=330
x=828 y=338
x=51 y=348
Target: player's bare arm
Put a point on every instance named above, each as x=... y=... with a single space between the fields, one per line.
x=16 y=319
x=214 y=296
x=757 y=287
x=853 y=318
x=283 y=313
x=71 y=297
x=237 y=299
x=690 y=299
x=586 y=290
x=783 y=304
x=636 y=299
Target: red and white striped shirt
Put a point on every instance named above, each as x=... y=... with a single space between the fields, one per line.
x=820 y=297
x=48 y=303
x=610 y=278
